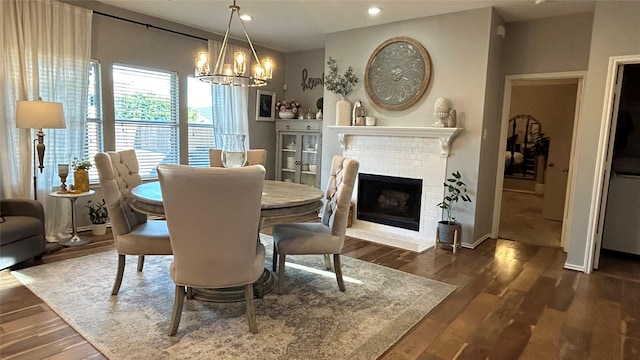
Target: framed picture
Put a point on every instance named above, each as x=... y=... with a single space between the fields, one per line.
x=265 y=105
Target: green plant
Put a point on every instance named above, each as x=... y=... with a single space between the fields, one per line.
x=455 y=190
x=97 y=212
x=78 y=164
x=339 y=84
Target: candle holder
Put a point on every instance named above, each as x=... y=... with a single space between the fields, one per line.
x=63 y=172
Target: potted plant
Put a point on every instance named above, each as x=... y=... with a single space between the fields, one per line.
x=99 y=216
x=341 y=85
x=80 y=174
x=287 y=109
x=455 y=190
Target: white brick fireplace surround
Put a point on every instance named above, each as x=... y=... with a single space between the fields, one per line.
x=410 y=152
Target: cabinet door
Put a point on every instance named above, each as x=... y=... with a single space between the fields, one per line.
x=309 y=170
x=289 y=157
x=299 y=146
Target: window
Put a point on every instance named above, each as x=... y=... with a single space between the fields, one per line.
x=201 y=130
x=93 y=132
x=146 y=115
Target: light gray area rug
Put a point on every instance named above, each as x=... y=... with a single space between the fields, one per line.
x=313 y=320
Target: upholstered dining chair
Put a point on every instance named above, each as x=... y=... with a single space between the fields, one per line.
x=327 y=236
x=254 y=157
x=213 y=231
x=132 y=233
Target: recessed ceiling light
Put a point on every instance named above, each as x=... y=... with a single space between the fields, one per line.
x=245 y=17
x=374 y=10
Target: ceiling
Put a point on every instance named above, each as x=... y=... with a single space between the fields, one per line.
x=290 y=26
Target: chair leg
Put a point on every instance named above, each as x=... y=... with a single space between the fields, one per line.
x=281 y=275
x=260 y=294
x=274 y=261
x=140 y=262
x=189 y=293
x=177 y=310
x=119 y=274
x=327 y=261
x=338 y=266
x=251 y=315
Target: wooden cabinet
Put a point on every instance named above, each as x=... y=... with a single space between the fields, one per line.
x=299 y=143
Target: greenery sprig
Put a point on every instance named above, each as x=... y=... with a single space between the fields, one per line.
x=78 y=164
x=339 y=84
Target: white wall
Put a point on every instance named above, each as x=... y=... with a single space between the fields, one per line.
x=615 y=32
x=490 y=132
x=548 y=45
x=459 y=46
x=313 y=61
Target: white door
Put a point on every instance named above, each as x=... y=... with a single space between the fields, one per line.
x=557 y=172
x=606 y=166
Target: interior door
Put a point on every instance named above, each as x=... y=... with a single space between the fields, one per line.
x=606 y=177
x=558 y=161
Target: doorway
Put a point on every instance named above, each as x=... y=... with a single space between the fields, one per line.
x=616 y=173
x=531 y=206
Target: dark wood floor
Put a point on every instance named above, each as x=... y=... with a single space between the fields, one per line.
x=512 y=301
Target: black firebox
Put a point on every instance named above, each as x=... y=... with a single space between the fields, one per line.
x=389 y=200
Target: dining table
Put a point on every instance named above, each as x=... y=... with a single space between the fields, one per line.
x=279 y=200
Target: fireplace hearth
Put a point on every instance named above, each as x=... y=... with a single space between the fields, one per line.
x=389 y=200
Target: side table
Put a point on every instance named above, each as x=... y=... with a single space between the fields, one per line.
x=74 y=240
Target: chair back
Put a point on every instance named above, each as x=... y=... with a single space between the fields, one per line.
x=118 y=174
x=344 y=172
x=213 y=228
x=254 y=157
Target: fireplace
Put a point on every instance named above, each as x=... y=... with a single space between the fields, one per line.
x=389 y=200
x=414 y=153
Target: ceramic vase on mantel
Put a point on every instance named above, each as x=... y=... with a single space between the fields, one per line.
x=343 y=112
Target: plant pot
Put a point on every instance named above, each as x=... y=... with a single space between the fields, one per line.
x=447 y=231
x=81 y=180
x=286 y=114
x=98 y=229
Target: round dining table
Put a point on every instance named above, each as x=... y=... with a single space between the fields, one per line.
x=279 y=199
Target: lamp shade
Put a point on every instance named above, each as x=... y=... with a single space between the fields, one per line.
x=39 y=115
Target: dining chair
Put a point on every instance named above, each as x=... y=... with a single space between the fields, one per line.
x=132 y=233
x=213 y=231
x=327 y=236
x=254 y=157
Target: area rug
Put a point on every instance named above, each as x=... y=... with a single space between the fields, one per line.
x=313 y=320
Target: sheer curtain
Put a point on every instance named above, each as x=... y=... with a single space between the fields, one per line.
x=45 y=53
x=230 y=103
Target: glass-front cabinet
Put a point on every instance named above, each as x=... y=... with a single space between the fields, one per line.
x=299 y=145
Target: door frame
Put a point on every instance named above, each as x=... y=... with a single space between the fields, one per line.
x=597 y=210
x=506 y=105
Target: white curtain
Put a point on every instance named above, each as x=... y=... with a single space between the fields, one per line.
x=45 y=53
x=230 y=103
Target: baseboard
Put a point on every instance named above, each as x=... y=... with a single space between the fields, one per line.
x=477 y=242
x=580 y=268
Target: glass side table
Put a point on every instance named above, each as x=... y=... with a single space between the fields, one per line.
x=74 y=240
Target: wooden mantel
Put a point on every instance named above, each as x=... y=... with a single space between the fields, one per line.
x=445 y=135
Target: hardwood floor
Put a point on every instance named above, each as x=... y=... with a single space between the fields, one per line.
x=512 y=301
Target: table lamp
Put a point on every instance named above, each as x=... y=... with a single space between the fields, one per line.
x=39 y=115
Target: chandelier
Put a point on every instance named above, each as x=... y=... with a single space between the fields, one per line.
x=233 y=74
